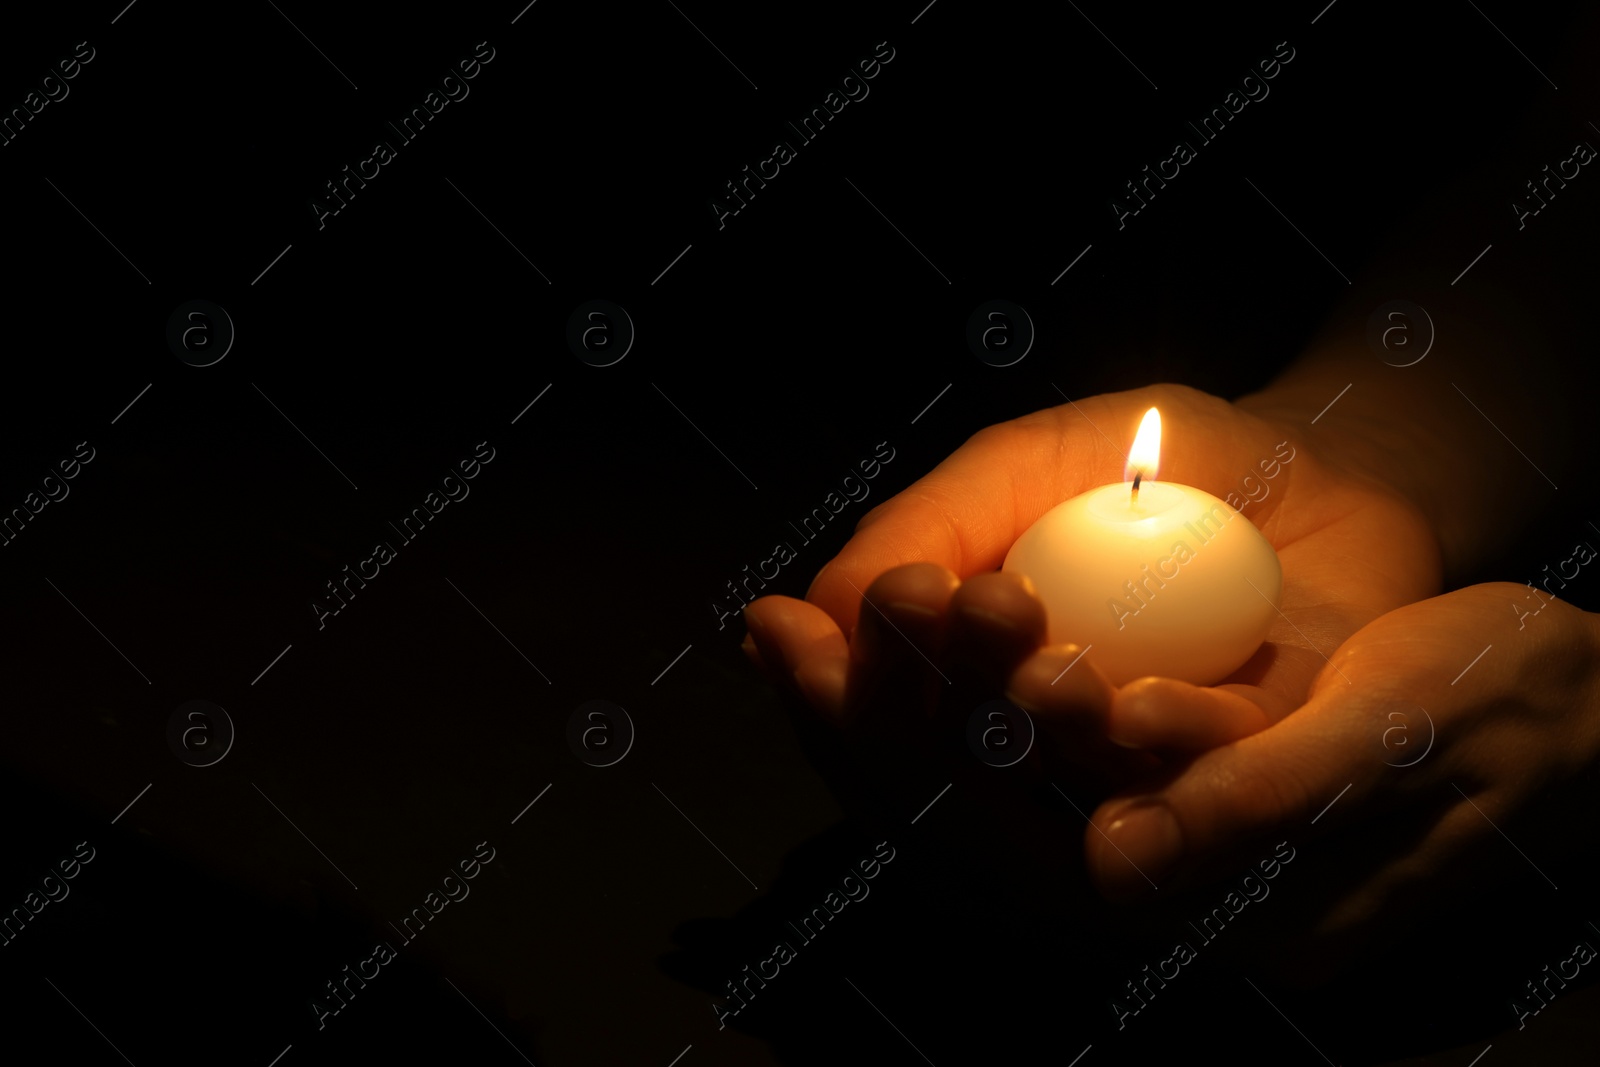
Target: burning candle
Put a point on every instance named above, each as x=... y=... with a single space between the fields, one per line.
x=1152 y=577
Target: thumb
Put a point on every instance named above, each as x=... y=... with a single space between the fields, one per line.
x=1228 y=808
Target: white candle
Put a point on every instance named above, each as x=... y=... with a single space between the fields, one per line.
x=1152 y=577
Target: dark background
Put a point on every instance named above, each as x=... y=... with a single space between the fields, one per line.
x=796 y=338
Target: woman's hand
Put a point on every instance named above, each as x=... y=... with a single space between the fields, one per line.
x=1450 y=741
x=1351 y=549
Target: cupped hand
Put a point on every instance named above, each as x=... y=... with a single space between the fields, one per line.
x=866 y=657
x=1446 y=743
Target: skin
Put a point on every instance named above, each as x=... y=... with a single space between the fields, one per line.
x=1437 y=769
x=1351 y=546
x=1406 y=481
x=1192 y=783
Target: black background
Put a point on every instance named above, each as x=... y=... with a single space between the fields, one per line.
x=796 y=338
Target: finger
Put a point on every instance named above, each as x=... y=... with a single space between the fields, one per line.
x=803 y=653
x=1063 y=691
x=1361 y=890
x=967 y=511
x=1229 y=803
x=1068 y=701
x=1164 y=713
x=996 y=621
x=800 y=646
x=893 y=676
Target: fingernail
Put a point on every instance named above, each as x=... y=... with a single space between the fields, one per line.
x=1136 y=717
x=1150 y=843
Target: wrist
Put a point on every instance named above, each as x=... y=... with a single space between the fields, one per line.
x=1336 y=417
x=1417 y=436
x=1392 y=455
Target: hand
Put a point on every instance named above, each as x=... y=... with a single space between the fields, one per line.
x=901 y=743
x=1351 y=548
x=1438 y=764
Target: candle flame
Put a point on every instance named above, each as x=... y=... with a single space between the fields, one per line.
x=1144 y=458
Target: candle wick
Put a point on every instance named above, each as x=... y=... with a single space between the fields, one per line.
x=1138 y=476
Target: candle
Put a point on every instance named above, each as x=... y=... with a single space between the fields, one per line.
x=1152 y=577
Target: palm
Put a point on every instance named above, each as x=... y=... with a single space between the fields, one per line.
x=1351 y=550
x=1427 y=774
